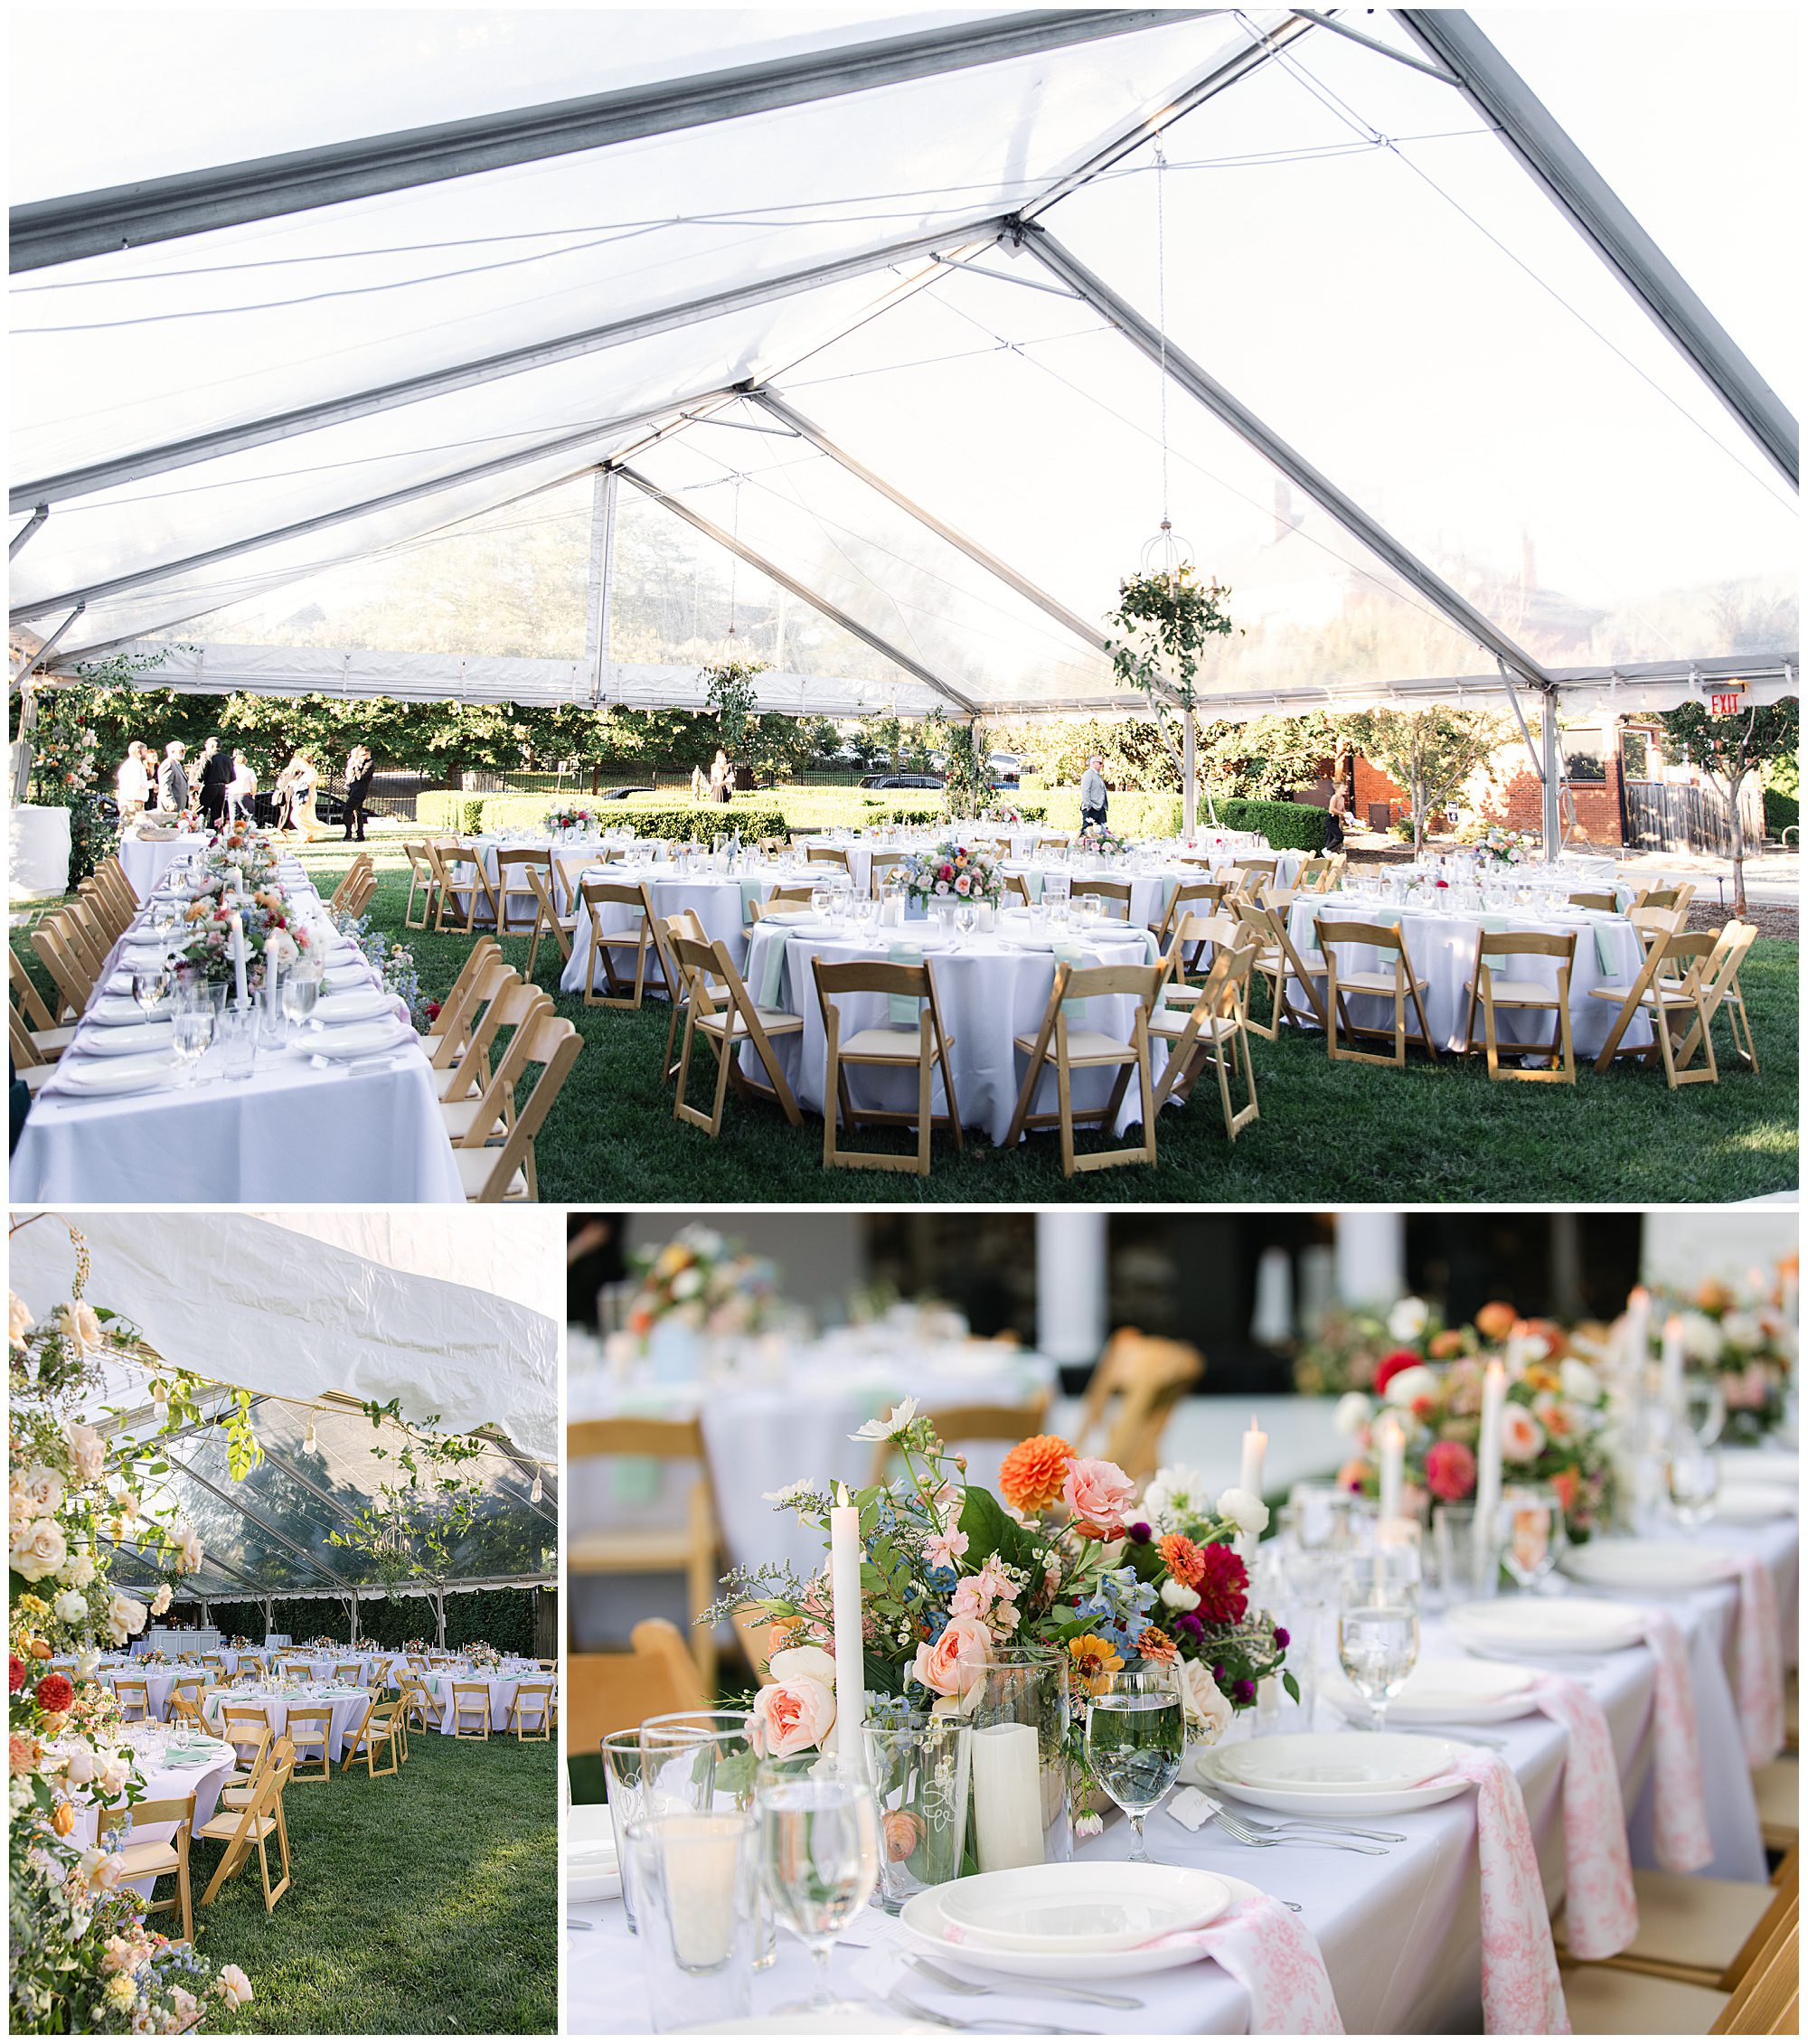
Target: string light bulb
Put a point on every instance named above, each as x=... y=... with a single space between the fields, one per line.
x=308 y=1441
x=536 y=1492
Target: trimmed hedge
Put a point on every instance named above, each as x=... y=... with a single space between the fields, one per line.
x=1781 y=812
x=504 y=1618
x=1288 y=826
x=767 y=814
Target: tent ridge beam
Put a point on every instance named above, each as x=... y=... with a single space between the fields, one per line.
x=49 y=231
x=257 y=1519
x=1212 y=395
x=781 y=410
x=1544 y=148
x=465 y=375
x=1431 y=69
x=907 y=661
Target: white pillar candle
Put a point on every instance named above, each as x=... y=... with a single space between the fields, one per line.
x=1007 y=1797
x=1393 y=1467
x=846 y=1610
x=702 y=1867
x=1249 y=1478
x=1638 y=1336
x=1272 y=1323
x=1488 y=1452
x=1673 y=1361
x=239 y=958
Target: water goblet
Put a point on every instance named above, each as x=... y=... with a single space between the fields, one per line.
x=1376 y=1637
x=1694 y=1482
x=1532 y=1532
x=300 y=991
x=818 y=1859
x=151 y=989
x=1704 y=1408
x=966 y=918
x=819 y=903
x=191 y=1032
x=1136 y=1735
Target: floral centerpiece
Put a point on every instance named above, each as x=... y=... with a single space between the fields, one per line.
x=1352 y=1342
x=1554 y=1429
x=1101 y=839
x=955 y=1579
x=152 y=1657
x=275 y=938
x=701 y=1281
x=481 y=1656
x=414 y=1648
x=1504 y=847
x=952 y=873
x=1743 y=1333
x=80 y=1955
x=1002 y=815
x=239 y=852
x=569 y=817
x=321 y=1643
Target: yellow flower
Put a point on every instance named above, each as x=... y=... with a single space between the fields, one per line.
x=122 y=1991
x=1093 y=1658
x=32 y=1602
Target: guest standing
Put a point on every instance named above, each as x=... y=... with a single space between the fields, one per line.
x=172 y=777
x=721 y=778
x=303 y=780
x=242 y=790
x=132 y=783
x=360 y=766
x=216 y=777
x=1092 y=791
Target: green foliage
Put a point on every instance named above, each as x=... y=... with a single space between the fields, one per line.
x=729 y=691
x=1163 y=626
x=1781 y=812
x=1730 y=746
x=471 y=814
x=967 y=751
x=504 y=1618
x=418 y=1514
x=1288 y=826
x=1269 y=755
x=1429 y=753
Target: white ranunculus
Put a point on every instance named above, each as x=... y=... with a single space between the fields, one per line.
x=1354 y=1411
x=1177 y=1596
x=124 y=1617
x=40 y=1551
x=18 y=1320
x=1208 y=1713
x=1419 y=1382
x=160 y=1603
x=78 y=1766
x=885 y=1430
x=802 y=1664
x=1580 y=1384
x=78 y=1571
x=81 y=1326
x=70 y=1606
x=1407 y=1321
x=1244 y=1510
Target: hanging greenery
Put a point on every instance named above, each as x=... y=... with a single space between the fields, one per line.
x=733 y=700
x=967 y=752
x=1159 y=634
x=409 y=1529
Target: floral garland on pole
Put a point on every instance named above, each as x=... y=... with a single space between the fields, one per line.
x=80 y=1957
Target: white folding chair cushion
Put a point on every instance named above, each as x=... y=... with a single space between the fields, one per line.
x=1522 y=992
x=883 y=1041
x=1374 y=982
x=1086 y=1046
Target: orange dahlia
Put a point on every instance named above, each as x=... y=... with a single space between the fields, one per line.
x=1154 y=1644
x=1182 y=1559
x=1031 y=1476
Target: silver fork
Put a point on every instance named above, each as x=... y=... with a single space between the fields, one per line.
x=1234 y=1827
x=954 y=1984
x=902 y=2002
x=1335 y=1830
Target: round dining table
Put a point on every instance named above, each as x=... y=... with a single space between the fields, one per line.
x=347 y=1705
x=166 y=1779
x=502 y=1682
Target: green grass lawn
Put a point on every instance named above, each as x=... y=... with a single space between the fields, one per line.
x=1327 y=1134
x=423 y=1901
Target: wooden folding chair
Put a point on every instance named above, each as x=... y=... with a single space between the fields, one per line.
x=310 y=1724
x=33 y=1012
x=1650 y=925
x=239 y=1830
x=298 y=1671
x=1493 y=989
x=693 y=1550
x=471 y=1704
x=827 y=855
x=780 y=899
x=463 y=1053
x=449 y=1031
x=1068 y=1049
x=1677 y=898
x=1668 y=988
x=345 y=895
x=686 y=923
x=1281 y=965
x=153 y=1858
x=1019 y=885
x=1693 y=1927
x=639 y=938
x=375 y=1735
x=615 y=1692
x=920 y=1045
x=133 y=1696
x=460 y=866
x=474 y=1122
x=523 y=877
x=1212 y=1032
x=532 y=1702
x=1606 y=901
x=1720 y=989
x=1133 y=1390
x=423 y=879
x=548 y=918
x=1199 y=899
x=185 y=1709
x=1401 y=985
x=1254 y=877
x=70 y=973
x=718 y=1008
x=1314 y=876
x=507 y=1171
x=251 y=1739
x=955 y=1424
x=1113 y=896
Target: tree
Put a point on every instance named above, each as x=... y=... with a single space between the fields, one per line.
x=1270 y=755
x=1429 y=752
x=1728 y=749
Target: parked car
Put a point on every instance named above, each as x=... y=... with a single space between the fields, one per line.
x=620 y=794
x=1007 y=768
x=901 y=780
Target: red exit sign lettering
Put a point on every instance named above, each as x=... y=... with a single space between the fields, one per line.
x=1725 y=705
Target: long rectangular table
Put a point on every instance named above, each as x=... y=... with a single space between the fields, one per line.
x=1400 y=1935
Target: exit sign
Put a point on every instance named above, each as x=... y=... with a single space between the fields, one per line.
x=1725 y=704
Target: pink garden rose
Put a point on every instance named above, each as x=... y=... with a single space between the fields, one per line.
x=796 y=1709
x=1521 y=1437
x=1450 y=1471
x=1101 y=1493
x=956 y=1665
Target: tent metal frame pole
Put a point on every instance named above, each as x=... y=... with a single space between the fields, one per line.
x=1544 y=148
x=258 y=1520
x=599 y=613
x=1212 y=395
x=782 y=409
x=1188 y=764
x=1525 y=729
x=49 y=231
x=1551 y=811
x=910 y=664
x=484 y=369
x=498 y=464
x=48 y=645
x=17 y=542
x=1431 y=69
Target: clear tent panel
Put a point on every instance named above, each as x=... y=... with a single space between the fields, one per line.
x=1034 y=429
x=1353 y=256
x=240 y=323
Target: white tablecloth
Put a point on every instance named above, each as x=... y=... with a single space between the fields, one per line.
x=989 y=992
x=290 y=1132
x=159 y=1680
x=1442 y=952
x=164 y=1782
x=146 y=863
x=1400 y=1935
x=347 y=1706
x=439 y=1684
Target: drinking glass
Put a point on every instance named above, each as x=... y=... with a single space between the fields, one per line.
x=151 y=989
x=1377 y=1638
x=300 y=991
x=703 y=1760
x=864 y=909
x=1465 y=1569
x=966 y=918
x=1532 y=1532
x=694 y=1879
x=819 y=903
x=191 y=1030
x=818 y=1861
x=624 y=1769
x=920 y=1766
x=1704 y=1408
x=1135 y=1735
x=239 y=1038
x=1694 y=1482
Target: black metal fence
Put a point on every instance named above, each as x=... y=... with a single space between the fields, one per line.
x=396 y=793
x=1663 y=818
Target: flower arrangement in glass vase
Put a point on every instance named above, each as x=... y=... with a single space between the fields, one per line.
x=80 y=1955
x=1744 y=1331
x=956 y=1581
x=480 y=1654
x=1100 y=840
x=1555 y=1428
x=568 y=816
x=701 y=1281
x=1495 y=842
x=321 y=1643
x=1004 y=814
x=952 y=873
x=416 y=1647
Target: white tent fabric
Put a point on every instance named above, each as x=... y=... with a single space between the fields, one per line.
x=1445 y=432
x=252 y=1303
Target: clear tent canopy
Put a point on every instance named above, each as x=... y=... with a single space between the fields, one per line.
x=316 y=1316
x=878 y=348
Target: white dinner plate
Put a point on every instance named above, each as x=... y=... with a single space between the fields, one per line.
x=335 y=978
x=113 y=1008
x=1083 y=1906
x=1544 y=1627
x=794 y=919
x=1353 y=1763
x=358 y=1039
x=836 y=2022
x=1453 y=1692
x=1761 y=1465
x=359 y=1004
x=122 y=1075
x=922 y=1916
x=127 y=1039
x=1751 y=1504
x=1647 y=1565
x=1199 y=1768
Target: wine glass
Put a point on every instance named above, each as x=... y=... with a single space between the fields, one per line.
x=1694 y=1482
x=1377 y=1638
x=818 y=1861
x=1704 y=1408
x=966 y=919
x=191 y=1032
x=300 y=991
x=1532 y=1532
x=1136 y=1734
x=819 y=903
x=151 y=989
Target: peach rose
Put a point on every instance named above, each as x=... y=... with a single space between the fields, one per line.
x=956 y=1665
x=1098 y=1493
x=796 y=1709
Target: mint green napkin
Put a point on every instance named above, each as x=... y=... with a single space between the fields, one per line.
x=906 y=1008
x=1494 y=925
x=1605 y=955
x=634 y=1479
x=1069 y=954
x=753 y=890
x=771 y=971
x=1033 y=880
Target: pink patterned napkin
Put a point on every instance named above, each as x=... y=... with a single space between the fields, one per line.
x=1522 y=1993
x=1757 y=1654
x=1679 y=1802
x=1270 y=1953
x=1601 y=1906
